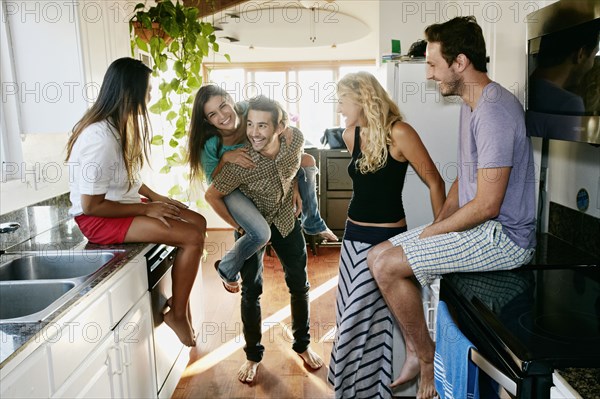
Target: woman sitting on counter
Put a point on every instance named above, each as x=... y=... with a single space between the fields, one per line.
x=105 y=154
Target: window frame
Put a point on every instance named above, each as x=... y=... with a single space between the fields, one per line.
x=251 y=68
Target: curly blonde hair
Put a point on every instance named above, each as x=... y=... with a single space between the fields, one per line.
x=380 y=114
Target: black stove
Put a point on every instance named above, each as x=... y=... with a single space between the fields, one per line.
x=529 y=321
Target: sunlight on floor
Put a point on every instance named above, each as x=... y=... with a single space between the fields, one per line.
x=229 y=347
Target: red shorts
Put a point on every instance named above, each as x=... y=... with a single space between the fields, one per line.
x=99 y=230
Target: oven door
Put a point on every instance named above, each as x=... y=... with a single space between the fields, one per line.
x=492 y=357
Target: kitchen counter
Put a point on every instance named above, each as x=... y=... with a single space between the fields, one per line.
x=16 y=337
x=552 y=251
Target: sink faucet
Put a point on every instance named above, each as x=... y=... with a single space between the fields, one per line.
x=9 y=227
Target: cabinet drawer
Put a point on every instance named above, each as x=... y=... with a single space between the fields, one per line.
x=337 y=174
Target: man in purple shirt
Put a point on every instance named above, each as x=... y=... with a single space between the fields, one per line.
x=488 y=219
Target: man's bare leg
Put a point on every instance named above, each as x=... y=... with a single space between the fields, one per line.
x=311 y=358
x=411 y=367
x=394 y=277
x=247 y=373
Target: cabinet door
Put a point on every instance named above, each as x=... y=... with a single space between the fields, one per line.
x=135 y=339
x=29 y=379
x=99 y=376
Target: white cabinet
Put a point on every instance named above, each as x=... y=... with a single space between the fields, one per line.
x=101 y=348
x=98 y=376
x=134 y=335
x=30 y=379
x=122 y=366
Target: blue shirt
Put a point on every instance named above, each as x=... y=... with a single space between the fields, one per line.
x=210 y=156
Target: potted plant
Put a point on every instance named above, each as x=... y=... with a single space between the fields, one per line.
x=177 y=41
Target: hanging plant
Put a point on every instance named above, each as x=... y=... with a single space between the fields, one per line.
x=177 y=42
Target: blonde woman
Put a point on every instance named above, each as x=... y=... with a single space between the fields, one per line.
x=105 y=154
x=382 y=147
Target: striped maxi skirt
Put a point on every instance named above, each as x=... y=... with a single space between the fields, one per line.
x=361 y=358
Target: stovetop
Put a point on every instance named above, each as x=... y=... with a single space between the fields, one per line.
x=542 y=317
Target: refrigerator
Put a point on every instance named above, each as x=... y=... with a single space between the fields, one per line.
x=435 y=119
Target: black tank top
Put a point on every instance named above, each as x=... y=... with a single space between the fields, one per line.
x=376 y=196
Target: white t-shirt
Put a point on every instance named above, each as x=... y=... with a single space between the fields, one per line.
x=96 y=167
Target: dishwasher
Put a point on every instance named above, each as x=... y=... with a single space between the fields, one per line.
x=167 y=347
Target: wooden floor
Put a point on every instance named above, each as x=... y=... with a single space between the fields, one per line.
x=218 y=355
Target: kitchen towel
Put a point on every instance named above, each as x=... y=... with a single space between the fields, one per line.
x=456 y=376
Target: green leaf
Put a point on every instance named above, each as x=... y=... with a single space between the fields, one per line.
x=173 y=143
x=178 y=68
x=174 y=48
x=171 y=115
x=194 y=83
x=216 y=47
x=175 y=190
x=227 y=57
x=157 y=140
x=179 y=133
x=141 y=44
x=202 y=42
x=207 y=29
x=165 y=169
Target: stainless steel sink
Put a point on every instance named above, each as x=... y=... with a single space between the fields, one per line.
x=54 y=265
x=30 y=298
x=33 y=285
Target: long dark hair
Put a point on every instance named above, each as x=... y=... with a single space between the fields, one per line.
x=201 y=129
x=122 y=102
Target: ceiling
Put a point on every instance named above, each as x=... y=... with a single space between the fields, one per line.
x=288 y=30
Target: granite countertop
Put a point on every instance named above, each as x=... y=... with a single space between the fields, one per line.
x=586 y=382
x=36 y=234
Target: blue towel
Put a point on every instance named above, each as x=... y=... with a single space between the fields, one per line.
x=456 y=376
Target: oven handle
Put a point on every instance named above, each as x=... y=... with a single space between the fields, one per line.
x=493 y=372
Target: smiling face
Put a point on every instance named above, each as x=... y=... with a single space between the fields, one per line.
x=351 y=111
x=220 y=113
x=449 y=81
x=262 y=135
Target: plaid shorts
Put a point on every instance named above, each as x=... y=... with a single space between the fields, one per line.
x=482 y=248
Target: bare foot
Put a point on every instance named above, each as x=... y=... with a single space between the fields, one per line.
x=248 y=371
x=328 y=235
x=311 y=359
x=426 y=384
x=189 y=314
x=181 y=327
x=410 y=369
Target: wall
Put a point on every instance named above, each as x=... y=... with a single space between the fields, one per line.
x=105 y=37
x=74 y=43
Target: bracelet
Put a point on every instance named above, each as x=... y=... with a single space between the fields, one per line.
x=240 y=230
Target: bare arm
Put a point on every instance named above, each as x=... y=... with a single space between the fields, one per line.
x=451 y=204
x=491 y=187
x=238 y=156
x=215 y=199
x=407 y=144
x=155 y=197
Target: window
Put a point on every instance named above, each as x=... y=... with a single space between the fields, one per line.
x=306 y=90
